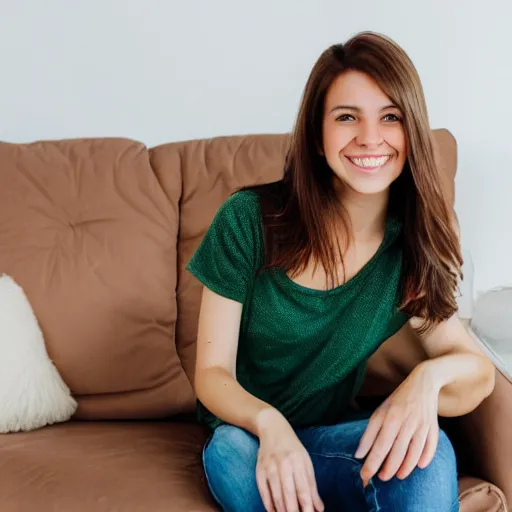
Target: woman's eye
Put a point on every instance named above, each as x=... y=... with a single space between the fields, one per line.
x=345 y=117
x=392 y=118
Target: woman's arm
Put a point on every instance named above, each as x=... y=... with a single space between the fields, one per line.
x=403 y=432
x=456 y=367
x=456 y=364
x=284 y=471
x=215 y=376
x=465 y=376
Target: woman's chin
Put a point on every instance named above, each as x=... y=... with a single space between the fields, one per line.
x=366 y=188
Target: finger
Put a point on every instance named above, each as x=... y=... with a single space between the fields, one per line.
x=263 y=488
x=370 y=434
x=310 y=474
x=274 y=483
x=413 y=454
x=380 y=449
x=303 y=488
x=286 y=474
x=430 y=446
x=398 y=451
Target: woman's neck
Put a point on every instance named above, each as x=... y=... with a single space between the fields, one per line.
x=366 y=212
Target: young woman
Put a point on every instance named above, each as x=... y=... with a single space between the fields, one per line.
x=305 y=278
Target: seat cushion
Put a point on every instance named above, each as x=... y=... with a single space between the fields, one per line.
x=105 y=467
x=131 y=467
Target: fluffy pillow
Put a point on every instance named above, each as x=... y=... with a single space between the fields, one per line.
x=32 y=393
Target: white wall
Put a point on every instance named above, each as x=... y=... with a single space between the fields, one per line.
x=161 y=70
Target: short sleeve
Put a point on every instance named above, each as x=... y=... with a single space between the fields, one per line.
x=229 y=255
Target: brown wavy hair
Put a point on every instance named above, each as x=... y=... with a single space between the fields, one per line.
x=299 y=218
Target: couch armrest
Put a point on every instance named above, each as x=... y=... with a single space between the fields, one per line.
x=488 y=430
x=478 y=496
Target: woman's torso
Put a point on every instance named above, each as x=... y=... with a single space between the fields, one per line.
x=302 y=348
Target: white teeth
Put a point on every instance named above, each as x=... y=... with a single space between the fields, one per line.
x=371 y=161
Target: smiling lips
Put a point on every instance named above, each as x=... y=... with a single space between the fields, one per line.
x=369 y=163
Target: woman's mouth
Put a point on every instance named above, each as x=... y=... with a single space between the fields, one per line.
x=369 y=163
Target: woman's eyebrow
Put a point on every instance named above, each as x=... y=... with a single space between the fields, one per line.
x=346 y=107
x=358 y=109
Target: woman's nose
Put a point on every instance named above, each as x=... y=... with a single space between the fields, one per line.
x=369 y=135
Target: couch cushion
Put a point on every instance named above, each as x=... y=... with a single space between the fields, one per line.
x=131 y=467
x=88 y=233
x=211 y=170
x=104 y=467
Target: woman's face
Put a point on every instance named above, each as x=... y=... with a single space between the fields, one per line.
x=363 y=134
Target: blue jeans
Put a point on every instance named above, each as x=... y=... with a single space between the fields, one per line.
x=230 y=455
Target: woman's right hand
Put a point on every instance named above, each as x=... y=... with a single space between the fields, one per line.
x=284 y=471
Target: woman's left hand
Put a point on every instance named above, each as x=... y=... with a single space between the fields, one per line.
x=403 y=431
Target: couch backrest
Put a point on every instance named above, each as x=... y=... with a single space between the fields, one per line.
x=210 y=171
x=98 y=233
x=87 y=231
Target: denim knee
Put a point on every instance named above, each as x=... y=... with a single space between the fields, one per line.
x=443 y=477
x=229 y=460
x=432 y=489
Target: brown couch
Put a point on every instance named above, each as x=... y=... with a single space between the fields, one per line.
x=98 y=233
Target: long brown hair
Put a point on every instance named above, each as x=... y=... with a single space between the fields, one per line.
x=298 y=227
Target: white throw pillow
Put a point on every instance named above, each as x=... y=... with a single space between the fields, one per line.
x=32 y=393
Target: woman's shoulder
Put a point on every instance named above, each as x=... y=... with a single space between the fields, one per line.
x=273 y=191
x=246 y=209
x=241 y=206
x=256 y=200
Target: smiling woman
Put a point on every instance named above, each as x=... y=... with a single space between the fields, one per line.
x=363 y=135
x=306 y=277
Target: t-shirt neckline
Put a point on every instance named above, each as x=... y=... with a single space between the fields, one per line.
x=391 y=231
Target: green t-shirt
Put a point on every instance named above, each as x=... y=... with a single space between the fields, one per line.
x=303 y=351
